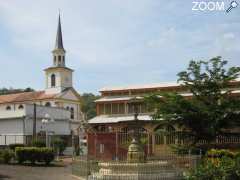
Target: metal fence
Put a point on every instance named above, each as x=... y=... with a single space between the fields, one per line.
x=106 y=157
x=163 y=167
x=5 y=140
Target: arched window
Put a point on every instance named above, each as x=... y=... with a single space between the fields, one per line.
x=59 y=60
x=48 y=104
x=55 y=60
x=8 y=108
x=72 y=112
x=63 y=59
x=53 y=80
x=20 y=106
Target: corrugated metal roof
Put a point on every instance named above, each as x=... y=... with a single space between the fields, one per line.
x=117 y=98
x=127 y=98
x=148 y=86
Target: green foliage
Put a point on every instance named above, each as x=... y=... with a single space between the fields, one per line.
x=184 y=149
x=34 y=154
x=13 y=146
x=210 y=109
x=88 y=105
x=59 y=145
x=6 y=155
x=38 y=143
x=78 y=151
x=12 y=91
x=218 y=153
x=226 y=168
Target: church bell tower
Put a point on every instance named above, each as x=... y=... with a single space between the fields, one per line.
x=58 y=76
x=59 y=51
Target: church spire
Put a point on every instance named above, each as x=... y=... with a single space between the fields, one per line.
x=59 y=41
x=59 y=51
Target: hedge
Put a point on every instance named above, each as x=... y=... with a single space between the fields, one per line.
x=218 y=153
x=34 y=154
x=38 y=143
x=6 y=156
x=13 y=146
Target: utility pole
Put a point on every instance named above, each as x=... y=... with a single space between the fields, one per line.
x=34 y=121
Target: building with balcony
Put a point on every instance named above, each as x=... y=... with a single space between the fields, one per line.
x=109 y=130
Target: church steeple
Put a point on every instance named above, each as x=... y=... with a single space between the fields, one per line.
x=58 y=76
x=59 y=41
x=59 y=51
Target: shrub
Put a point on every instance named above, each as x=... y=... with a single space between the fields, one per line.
x=13 y=146
x=219 y=153
x=34 y=154
x=38 y=143
x=224 y=168
x=59 y=145
x=183 y=149
x=6 y=155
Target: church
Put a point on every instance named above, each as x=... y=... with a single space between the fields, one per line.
x=55 y=109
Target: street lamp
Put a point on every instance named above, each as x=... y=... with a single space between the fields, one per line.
x=47 y=120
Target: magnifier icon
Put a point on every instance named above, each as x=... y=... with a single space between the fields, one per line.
x=233 y=4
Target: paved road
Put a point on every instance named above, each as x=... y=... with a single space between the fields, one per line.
x=16 y=172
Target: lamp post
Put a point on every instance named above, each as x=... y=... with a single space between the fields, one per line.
x=47 y=120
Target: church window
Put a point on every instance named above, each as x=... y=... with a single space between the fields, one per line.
x=55 y=60
x=20 y=106
x=59 y=60
x=48 y=104
x=8 y=108
x=53 y=80
x=72 y=112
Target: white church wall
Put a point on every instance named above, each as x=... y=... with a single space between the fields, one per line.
x=58 y=127
x=53 y=112
x=11 y=113
x=70 y=96
x=61 y=125
x=11 y=131
x=58 y=79
x=75 y=107
x=66 y=79
x=11 y=126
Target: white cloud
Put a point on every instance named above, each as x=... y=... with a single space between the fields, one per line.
x=119 y=39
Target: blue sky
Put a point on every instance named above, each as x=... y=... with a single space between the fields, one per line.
x=112 y=42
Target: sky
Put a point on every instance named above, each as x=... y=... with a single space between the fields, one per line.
x=112 y=42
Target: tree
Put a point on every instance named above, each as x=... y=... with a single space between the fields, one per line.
x=4 y=91
x=211 y=108
x=88 y=105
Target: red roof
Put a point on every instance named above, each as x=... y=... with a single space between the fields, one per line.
x=25 y=96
